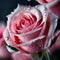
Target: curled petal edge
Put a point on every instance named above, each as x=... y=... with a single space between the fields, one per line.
x=8 y=41
x=53 y=26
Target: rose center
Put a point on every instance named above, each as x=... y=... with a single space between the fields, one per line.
x=25 y=23
x=22 y=21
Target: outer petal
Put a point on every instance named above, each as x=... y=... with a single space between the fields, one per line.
x=57 y=43
x=21 y=56
x=55 y=8
x=53 y=25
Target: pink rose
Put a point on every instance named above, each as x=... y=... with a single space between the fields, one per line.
x=29 y=29
x=55 y=8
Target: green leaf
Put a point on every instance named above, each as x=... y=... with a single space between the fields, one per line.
x=45 y=54
x=55 y=58
x=40 y=56
x=33 y=56
x=37 y=55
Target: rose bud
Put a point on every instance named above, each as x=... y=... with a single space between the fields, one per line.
x=21 y=56
x=29 y=29
x=55 y=8
x=4 y=54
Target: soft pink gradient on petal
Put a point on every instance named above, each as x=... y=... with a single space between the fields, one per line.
x=22 y=56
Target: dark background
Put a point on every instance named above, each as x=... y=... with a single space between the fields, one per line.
x=7 y=6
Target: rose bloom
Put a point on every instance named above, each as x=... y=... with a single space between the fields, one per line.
x=4 y=54
x=29 y=29
x=55 y=8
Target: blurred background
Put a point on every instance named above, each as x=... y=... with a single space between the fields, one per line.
x=7 y=6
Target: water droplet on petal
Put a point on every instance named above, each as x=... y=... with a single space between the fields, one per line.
x=29 y=8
